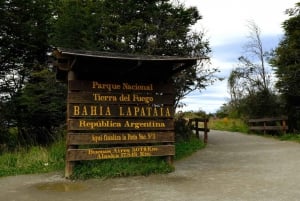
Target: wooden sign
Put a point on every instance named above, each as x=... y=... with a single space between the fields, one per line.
x=114 y=113
x=120 y=137
x=119 y=101
x=119 y=152
x=120 y=124
x=120 y=98
x=83 y=85
x=112 y=110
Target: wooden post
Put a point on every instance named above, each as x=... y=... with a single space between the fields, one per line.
x=169 y=160
x=284 y=126
x=197 y=128
x=205 y=131
x=69 y=164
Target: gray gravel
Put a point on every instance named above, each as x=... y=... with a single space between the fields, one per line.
x=232 y=167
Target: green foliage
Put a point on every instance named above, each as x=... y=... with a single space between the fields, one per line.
x=24 y=29
x=286 y=64
x=286 y=57
x=263 y=103
x=182 y=130
x=39 y=108
x=148 y=27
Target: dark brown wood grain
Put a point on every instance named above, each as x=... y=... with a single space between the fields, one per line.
x=120 y=152
x=121 y=124
x=100 y=86
x=120 y=98
x=93 y=110
x=120 y=138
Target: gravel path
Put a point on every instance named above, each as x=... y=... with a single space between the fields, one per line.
x=232 y=167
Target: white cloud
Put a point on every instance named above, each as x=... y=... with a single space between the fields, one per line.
x=226 y=20
x=225 y=25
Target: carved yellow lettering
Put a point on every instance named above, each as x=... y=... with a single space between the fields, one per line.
x=76 y=110
x=108 y=113
x=167 y=112
x=129 y=113
x=94 y=110
x=155 y=114
x=84 y=111
x=121 y=113
x=136 y=111
x=95 y=84
x=142 y=114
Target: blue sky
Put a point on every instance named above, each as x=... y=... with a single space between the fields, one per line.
x=225 y=25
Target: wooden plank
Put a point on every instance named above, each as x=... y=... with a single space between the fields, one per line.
x=120 y=152
x=199 y=120
x=124 y=111
x=268 y=119
x=99 y=86
x=119 y=138
x=261 y=128
x=121 y=124
x=120 y=98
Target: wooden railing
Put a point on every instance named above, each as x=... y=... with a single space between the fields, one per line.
x=269 y=124
x=199 y=124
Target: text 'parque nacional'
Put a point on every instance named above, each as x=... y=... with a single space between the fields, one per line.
x=124 y=86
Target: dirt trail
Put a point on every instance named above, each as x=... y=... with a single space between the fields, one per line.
x=232 y=167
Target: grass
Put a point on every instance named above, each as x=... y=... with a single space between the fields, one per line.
x=187 y=148
x=120 y=168
x=34 y=160
x=237 y=125
x=43 y=160
x=290 y=137
x=228 y=124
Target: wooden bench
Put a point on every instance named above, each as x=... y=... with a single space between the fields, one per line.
x=194 y=125
x=269 y=124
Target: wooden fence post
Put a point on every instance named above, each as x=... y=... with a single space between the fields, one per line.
x=205 y=130
x=69 y=164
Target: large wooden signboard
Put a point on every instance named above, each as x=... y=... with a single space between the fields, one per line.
x=132 y=119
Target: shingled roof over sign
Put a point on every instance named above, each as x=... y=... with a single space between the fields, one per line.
x=108 y=65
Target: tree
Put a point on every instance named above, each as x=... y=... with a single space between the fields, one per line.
x=24 y=29
x=286 y=63
x=154 y=27
x=24 y=32
x=39 y=108
x=249 y=83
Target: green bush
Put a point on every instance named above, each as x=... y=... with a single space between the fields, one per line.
x=182 y=130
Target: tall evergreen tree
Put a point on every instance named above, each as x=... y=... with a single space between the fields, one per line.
x=24 y=29
x=24 y=32
x=286 y=63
